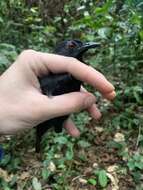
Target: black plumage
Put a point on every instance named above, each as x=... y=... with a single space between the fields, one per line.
x=57 y=84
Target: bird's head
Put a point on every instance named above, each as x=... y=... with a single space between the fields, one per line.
x=74 y=48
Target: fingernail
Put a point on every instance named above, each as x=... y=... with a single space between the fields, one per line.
x=89 y=101
x=113 y=88
x=97 y=115
x=111 y=95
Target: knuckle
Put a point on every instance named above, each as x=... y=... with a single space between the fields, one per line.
x=78 y=105
x=27 y=56
x=27 y=53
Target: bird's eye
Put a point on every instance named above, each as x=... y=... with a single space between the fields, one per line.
x=71 y=45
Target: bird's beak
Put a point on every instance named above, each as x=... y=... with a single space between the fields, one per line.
x=88 y=46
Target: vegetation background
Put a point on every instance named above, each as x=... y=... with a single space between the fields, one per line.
x=109 y=153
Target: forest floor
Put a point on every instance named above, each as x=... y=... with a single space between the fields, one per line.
x=99 y=154
x=107 y=156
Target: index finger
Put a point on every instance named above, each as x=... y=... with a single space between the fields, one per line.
x=81 y=71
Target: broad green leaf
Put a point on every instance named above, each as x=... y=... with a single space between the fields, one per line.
x=69 y=153
x=105 y=8
x=61 y=140
x=84 y=144
x=131 y=164
x=102 y=178
x=3 y=60
x=92 y=181
x=1 y=19
x=141 y=34
x=104 y=32
x=5 y=160
x=139 y=165
x=45 y=173
x=8 y=47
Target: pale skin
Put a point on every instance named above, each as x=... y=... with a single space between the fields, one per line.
x=23 y=106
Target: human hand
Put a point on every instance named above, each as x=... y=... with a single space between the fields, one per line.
x=24 y=106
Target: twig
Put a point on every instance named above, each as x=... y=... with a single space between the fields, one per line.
x=77 y=177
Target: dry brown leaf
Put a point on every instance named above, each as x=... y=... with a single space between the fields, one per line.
x=114 y=181
x=4 y=174
x=24 y=175
x=99 y=129
x=112 y=169
x=52 y=167
x=83 y=181
x=119 y=137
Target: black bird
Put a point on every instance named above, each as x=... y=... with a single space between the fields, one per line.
x=57 y=84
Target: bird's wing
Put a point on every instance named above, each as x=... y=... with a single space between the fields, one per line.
x=57 y=84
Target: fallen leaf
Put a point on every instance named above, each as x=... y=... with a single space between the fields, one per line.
x=112 y=169
x=4 y=174
x=119 y=137
x=24 y=175
x=83 y=181
x=114 y=181
x=52 y=167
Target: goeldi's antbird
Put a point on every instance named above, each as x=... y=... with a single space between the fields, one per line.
x=57 y=84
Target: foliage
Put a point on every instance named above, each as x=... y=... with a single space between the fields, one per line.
x=118 y=25
x=7 y=55
x=102 y=178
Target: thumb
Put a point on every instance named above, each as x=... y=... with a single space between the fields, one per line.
x=65 y=104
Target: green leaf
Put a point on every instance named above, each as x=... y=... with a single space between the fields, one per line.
x=141 y=34
x=102 y=178
x=61 y=140
x=131 y=164
x=45 y=173
x=69 y=153
x=36 y=184
x=139 y=165
x=3 y=60
x=136 y=19
x=104 y=32
x=5 y=160
x=137 y=176
x=92 y=181
x=7 y=188
x=104 y=9
x=8 y=47
x=84 y=144
x=1 y=20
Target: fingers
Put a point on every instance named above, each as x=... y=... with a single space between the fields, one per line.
x=64 y=104
x=94 y=112
x=93 y=109
x=42 y=63
x=71 y=128
x=110 y=96
x=79 y=70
